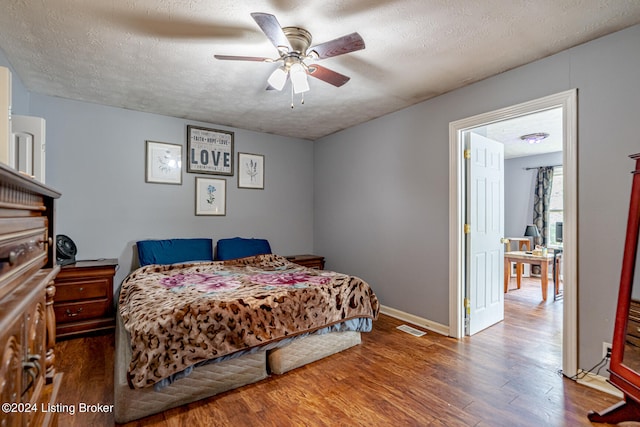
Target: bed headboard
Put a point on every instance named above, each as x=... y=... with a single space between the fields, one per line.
x=171 y=251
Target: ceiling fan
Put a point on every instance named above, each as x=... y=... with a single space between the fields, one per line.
x=296 y=55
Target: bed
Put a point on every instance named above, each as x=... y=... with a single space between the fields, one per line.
x=191 y=329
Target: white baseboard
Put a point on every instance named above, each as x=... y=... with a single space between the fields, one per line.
x=418 y=321
x=599 y=383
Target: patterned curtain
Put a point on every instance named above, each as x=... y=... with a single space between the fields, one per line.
x=541 y=199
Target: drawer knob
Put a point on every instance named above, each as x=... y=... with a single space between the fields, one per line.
x=11 y=258
x=48 y=241
x=80 y=289
x=70 y=314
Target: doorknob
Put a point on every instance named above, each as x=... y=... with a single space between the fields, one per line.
x=504 y=240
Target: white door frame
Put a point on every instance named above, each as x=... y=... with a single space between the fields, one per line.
x=568 y=101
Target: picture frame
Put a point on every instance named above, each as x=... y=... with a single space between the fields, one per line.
x=211 y=196
x=209 y=151
x=163 y=164
x=251 y=171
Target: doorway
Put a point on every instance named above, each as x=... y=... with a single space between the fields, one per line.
x=567 y=101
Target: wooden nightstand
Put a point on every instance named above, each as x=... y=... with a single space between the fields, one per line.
x=311 y=261
x=83 y=301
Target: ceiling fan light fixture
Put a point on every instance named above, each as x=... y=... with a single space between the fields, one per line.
x=278 y=78
x=294 y=48
x=298 y=78
x=534 y=138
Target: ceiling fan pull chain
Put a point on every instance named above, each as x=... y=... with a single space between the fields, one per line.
x=292 y=97
x=302 y=99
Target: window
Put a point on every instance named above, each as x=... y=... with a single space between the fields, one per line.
x=556 y=206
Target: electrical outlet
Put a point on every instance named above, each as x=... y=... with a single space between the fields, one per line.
x=606 y=349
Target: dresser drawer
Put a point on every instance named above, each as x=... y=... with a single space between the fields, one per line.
x=82 y=290
x=15 y=225
x=20 y=248
x=76 y=311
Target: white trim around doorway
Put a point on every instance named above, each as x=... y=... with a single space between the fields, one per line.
x=568 y=101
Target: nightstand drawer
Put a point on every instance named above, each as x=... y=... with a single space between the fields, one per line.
x=76 y=311
x=78 y=291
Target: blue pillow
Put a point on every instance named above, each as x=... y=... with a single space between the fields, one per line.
x=238 y=247
x=172 y=251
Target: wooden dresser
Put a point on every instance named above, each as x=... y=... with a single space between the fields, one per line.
x=84 y=297
x=28 y=381
x=311 y=261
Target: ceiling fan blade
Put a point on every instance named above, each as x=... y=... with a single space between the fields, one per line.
x=242 y=58
x=328 y=75
x=339 y=46
x=272 y=29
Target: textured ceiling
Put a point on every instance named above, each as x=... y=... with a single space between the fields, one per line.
x=157 y=55
x=509 y=132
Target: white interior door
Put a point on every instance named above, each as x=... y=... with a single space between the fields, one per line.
x=485 y=220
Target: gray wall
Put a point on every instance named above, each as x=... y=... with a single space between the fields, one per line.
x=381 y=189
x=519 y=187
x=96 y=159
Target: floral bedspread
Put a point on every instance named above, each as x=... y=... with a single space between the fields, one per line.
x=181 y=314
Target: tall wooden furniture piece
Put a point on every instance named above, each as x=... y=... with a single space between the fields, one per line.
x=84 y=298
x=28 y=381
x=625 y=353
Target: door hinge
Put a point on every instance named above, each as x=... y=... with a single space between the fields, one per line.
x=467 y=228
x=467 y=306
x=467 y=154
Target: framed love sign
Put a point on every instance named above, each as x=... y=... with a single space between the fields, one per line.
x=209 y=151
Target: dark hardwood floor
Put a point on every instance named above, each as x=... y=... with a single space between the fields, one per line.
x=507 y=375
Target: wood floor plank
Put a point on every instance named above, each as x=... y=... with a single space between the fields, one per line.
x=507 y=375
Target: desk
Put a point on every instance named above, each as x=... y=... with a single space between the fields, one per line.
x=521 y=257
